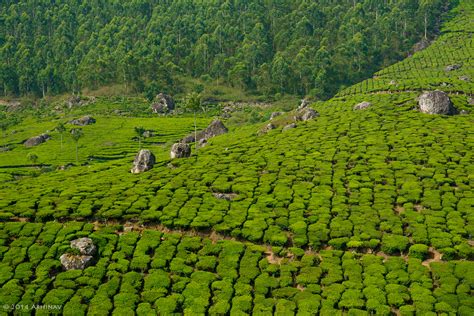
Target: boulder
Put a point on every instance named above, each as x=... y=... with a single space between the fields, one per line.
x=290 y=126
x=465 y=78
x=84 y=245
x=470 y=101
x=163 y=103
x=180 y=150
x=214 y=129
x=83 y=121
x=144 y=161
x=306 y=114
x=224 y=196
x=452 y=67
x=267 y=128
x=436 y=102
x=35 y=141
x=393 y=82
x=421 y=45
x=75 y=262
x=362 y=106
x=464 y=112
x=275 y=114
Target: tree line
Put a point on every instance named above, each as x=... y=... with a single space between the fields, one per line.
x=304 y=47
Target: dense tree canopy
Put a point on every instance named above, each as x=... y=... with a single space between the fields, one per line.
x=267 y=46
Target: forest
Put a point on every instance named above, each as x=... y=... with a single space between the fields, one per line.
x=266 y=47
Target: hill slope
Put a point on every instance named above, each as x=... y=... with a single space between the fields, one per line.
x=355 y=211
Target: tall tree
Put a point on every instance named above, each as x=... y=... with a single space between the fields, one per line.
x=193 y=103
x=76 y=134
x=60 y=128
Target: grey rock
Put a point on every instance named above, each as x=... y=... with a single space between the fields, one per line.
x=393 y=82
x=436 y=102
x=464 y=112
x=267 y=128
x=144 y=161
x=452 y=67
x=470 y=101
x=35 y=141
x=224 y=196
x=202 y=142
x=290 y=126
x=421 y=45
x=83 y=121
x=304 y=103
x=180 y=150
x=465 y=78
x=163 y=103
x=148 y=134
x=84 y=245
x=75 y=262
x=64 y=167
x=306 y=114
x=362 y=106
x=275 y=114
x=214 y=129
x=76 y=100
x=228 y=109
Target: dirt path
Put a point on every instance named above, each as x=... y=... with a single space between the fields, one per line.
x=436 y=257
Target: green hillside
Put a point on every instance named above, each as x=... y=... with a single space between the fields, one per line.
x=352 y=213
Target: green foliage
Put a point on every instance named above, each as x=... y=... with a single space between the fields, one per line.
x=259 y=53
x=419 y=251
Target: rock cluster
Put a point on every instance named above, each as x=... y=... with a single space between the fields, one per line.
x=86 y=249
x=180 y=150
x=362 y=106
x=144 y=161
x=436 y=102
x=214 y=129
x=83 y=121
x=35 y=141
x=163 y=103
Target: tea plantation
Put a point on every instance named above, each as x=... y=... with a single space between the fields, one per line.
x=352 y=213
x=150 y=272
